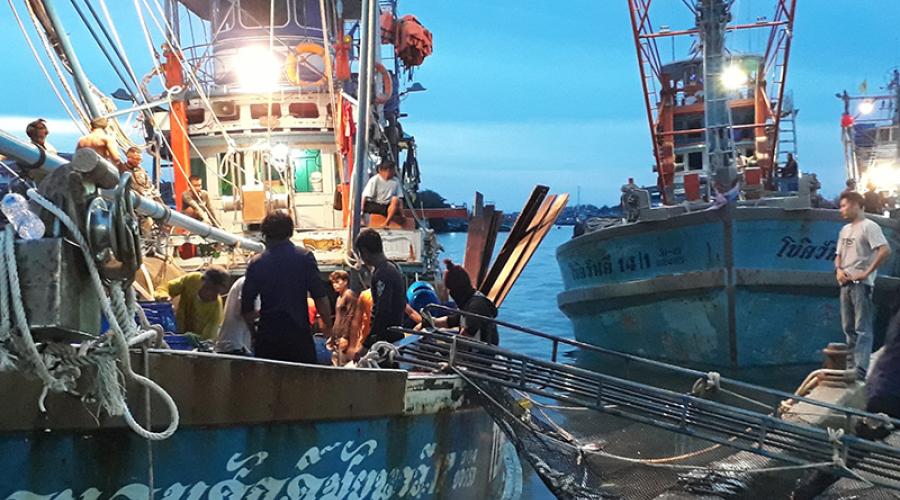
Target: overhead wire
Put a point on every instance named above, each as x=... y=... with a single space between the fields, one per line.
x=78 y=121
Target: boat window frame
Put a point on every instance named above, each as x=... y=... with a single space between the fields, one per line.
x=224 y=25
x=287 y=10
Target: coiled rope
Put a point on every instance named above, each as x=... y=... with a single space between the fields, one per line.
x=120 y=307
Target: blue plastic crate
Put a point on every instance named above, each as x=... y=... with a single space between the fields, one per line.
x=160 y=313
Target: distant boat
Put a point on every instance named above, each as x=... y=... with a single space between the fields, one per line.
x=706 y=279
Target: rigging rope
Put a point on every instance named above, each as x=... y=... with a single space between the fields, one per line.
x=79 y=121
x=119 y=308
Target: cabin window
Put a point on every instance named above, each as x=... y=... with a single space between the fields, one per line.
x=695 y=161
x=255 y=13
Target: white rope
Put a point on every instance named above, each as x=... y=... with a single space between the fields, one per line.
x=78 y=123
x=379 y=353
x=33 y=357
x=169 y=35
x=119 y=338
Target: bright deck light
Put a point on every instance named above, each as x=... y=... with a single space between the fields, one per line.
x=733 y=77
x=884 y=175
x=866 y=107
x=258 y=69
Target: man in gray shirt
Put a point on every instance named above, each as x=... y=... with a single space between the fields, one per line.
x=383 y=194
x=862 y=247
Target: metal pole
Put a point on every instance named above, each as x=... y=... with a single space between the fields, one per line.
x=30 y=154
x=712 y=19
x=81 y=80
x=366 y=56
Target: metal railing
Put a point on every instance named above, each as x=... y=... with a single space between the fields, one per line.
x=722 y=382
x=733 y=427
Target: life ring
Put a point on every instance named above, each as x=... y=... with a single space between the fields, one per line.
x=290 y=64
x=387 y=84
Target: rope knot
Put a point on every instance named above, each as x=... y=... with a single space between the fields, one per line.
x=835 y=437
x=703 y=386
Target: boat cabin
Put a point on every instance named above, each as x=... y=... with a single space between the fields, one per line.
x=681 y=128
x=270 y=129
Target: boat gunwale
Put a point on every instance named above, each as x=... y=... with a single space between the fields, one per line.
x=712 y=216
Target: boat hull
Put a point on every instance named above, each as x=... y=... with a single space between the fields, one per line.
x=315 y=433
x=738 y=287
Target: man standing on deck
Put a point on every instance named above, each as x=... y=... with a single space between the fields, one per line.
x=283 y=277
x=862 y=247
x=100 y=141
x=37 y=132
x=388 y=289
x=873 y=202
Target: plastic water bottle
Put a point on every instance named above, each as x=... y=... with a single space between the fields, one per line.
x=15 y=208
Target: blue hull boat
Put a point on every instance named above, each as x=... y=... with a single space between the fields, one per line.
x=262 y=430
x=737 y=287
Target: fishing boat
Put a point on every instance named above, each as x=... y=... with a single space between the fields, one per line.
x=107 y=414
x=871 y=137
x=735 y=268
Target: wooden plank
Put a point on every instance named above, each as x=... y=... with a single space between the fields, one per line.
x=518 y=231
x=503 y=270
x=495 y=222
x=475 y=239
x=534 y=242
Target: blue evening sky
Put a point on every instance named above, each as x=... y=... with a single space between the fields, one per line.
x=532 y=92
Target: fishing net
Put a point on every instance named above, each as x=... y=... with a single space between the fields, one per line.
x=589 y=434
x=616 y=458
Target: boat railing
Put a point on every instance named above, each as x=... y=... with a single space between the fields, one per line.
x=712 y=377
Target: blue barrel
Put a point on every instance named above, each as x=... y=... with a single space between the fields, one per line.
x=420 y=294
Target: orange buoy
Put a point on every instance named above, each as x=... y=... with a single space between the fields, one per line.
x=290 y=64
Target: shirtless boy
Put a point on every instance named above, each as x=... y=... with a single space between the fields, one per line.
x=100 y=141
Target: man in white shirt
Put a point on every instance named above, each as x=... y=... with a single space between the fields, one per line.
x=862 y=247
x=383 y=194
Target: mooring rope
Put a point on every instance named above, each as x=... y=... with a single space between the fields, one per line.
x=119 y=308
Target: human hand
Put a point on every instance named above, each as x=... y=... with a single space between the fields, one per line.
x=418 y=327
x=842 y=277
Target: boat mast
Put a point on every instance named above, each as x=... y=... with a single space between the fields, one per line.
x=712 y=19
x=895 y=84
x=81 y=80
x=361 y=155
x=29 y=153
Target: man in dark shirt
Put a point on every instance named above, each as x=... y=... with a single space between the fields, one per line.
x=388 y=289
x=873 y=203
x=790 y=170
x=283 y=276
x=469 y=300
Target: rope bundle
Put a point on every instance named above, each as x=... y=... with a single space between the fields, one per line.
x=59 y=366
